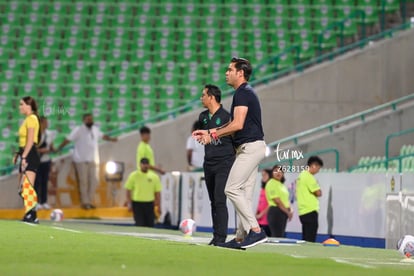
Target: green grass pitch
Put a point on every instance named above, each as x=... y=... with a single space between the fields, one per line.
x=74 y=248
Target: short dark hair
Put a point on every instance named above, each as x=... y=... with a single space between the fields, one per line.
x=214 y=91
x=144 y=130
x=197 y=125
x=243 y=64
x=86 y=115
x=279 y=167
x=144 y=160
x=315 y=159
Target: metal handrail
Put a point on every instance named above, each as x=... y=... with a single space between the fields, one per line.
x=385 y=161
x=393 y=135
x=331 y=126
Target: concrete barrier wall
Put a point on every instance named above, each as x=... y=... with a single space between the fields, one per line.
x=367 y=139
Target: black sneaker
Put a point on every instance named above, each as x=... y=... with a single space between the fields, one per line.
x=215 y=241
x=31 y=217
x=233 y=244
x=253 y=239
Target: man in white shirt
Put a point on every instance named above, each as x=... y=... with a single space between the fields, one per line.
x=86 y=157
x=45 y=146
x=195 y=151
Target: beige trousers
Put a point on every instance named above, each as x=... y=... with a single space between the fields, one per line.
x=88 y=180
x=241 y=182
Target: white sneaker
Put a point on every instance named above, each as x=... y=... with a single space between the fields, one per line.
x=46 y=206
x=39 y=207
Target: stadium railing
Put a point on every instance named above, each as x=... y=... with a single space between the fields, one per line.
x=330 y=127
x=387 y=143
x=382 y=165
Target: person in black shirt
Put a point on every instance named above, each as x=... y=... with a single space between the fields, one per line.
x=218 y=159
x=248 y=138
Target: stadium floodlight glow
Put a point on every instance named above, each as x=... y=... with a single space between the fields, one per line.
x=110 y=167
x=176 y=173
x=114 y=171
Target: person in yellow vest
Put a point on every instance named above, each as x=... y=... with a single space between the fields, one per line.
x=143 y=194
x=144 y=150
x=307 y=193
x=277 y=196
x=29 y=137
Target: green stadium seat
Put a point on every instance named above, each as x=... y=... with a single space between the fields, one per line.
x=212 y=22
x=323 y=2
x=279 y=2
x=299 y=23
x=299 y=9
x=164 y=21
x=304 y=39
x=167 y=104
x=210 y=9
x=392 y=6
x=323 y=23
x=350 y=23
x=286 y=60
x=232 y=9
x=345 y=2
x=278 y=22
x=370 y=8
x=168 y=9
x=279 y=9
x=189 y=8
x=190 y=92
x=404 y=150
x=326 y=40
x=323 y=16
x=187 y=22
x=147 y=8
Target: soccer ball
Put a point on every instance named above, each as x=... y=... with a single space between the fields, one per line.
x=188 y=226
x=56 y=215
x=405 y=246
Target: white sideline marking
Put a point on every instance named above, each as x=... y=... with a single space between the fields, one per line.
x=373 y=261
x=298 y=256
x=390 y=263
x=342 y=261
x=31 y=224
x=407 y=260
x=168 y=237
x=65 y=229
